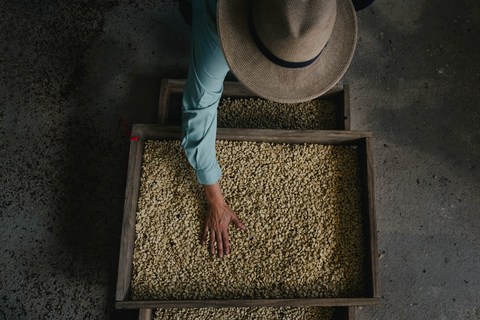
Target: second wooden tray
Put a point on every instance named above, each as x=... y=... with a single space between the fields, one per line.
x=171 y=90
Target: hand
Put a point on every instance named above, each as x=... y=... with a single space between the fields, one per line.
x=219 y=216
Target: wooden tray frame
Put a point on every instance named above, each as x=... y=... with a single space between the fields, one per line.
x=361 y=139
x=340 y=94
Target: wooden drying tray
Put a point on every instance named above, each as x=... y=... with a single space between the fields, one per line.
x=361 y=139
x=339 y=94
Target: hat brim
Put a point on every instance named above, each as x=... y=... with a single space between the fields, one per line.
x=276 y=83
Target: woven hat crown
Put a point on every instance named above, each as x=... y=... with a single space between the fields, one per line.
x=294 y=30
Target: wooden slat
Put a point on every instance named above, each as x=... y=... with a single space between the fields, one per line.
x=154 y=131
x=372 y=220
x=163 y=101
x=128 y=227
x=247 y=303
x=372 y=280
x=145 y=314
x=351 y=313
x=367 y=262
x=176 y=86
x=291 y=136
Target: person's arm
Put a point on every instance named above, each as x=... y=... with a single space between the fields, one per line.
x=207 y=70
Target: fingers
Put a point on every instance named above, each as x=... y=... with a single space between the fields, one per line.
x=204 y=237
x=218 y=237
x=212 y=242
x=226 y=244
x=216 y=223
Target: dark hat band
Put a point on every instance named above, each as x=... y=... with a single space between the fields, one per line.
x=267 y=53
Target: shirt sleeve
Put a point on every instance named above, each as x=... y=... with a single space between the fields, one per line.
x=206 y=73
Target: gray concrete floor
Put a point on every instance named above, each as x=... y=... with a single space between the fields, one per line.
x=70 y=69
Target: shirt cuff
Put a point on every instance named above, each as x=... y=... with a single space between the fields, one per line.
x=208 y=177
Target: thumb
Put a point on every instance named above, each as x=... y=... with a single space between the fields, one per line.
x=238 y=223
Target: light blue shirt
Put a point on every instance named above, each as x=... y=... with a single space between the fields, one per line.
x=206 y=73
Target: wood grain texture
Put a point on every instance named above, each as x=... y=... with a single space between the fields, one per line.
x=292 y=136
x=145 y=314
x=154 y=131
x=128 y=225
x=129 y=219
x=351 y=313
x=247 y=303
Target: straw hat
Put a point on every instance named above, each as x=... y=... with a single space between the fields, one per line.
x=287 y=50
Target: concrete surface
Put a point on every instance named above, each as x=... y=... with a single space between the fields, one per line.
x=70 y=69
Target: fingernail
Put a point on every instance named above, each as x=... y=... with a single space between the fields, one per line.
x=213 y=252
x=226 y=252
x=221 y=255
